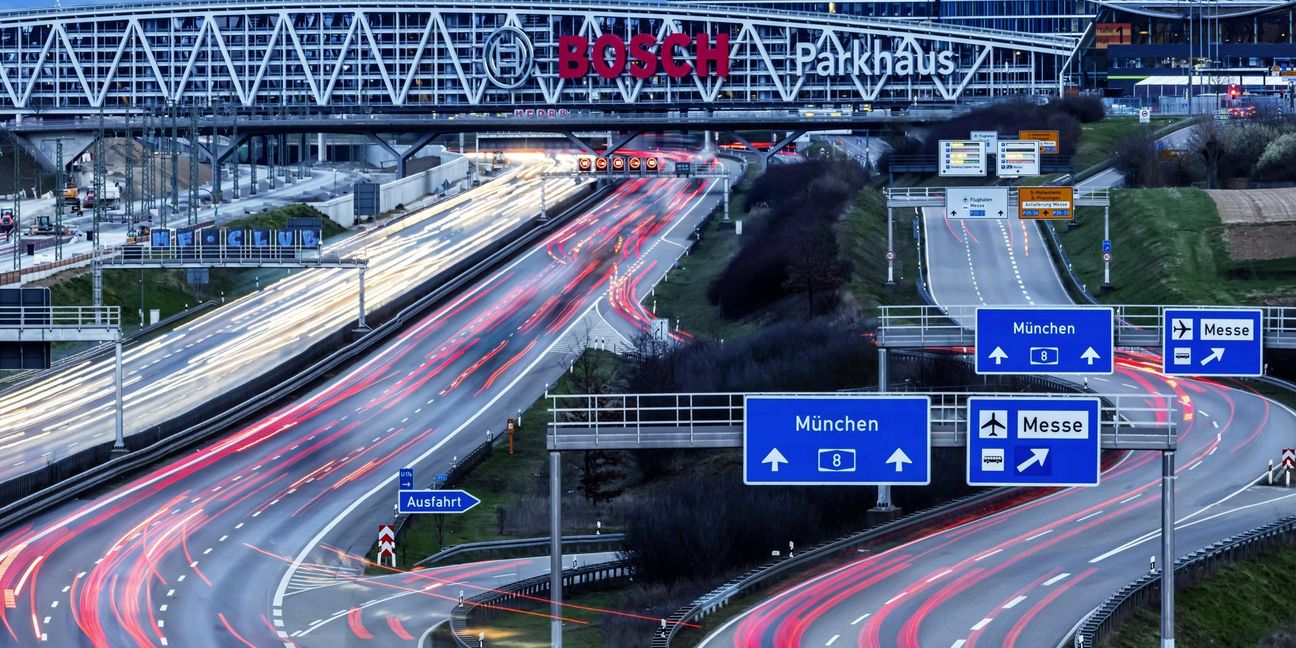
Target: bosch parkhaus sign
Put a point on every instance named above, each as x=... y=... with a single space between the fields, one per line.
x=486 y=57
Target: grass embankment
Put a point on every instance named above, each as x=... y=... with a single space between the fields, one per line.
x=168 y=290
x=1240 y=605
x=512 y=630
x=682 y=297
x=1098 y=139
x=1168 y=248
x=862 y=240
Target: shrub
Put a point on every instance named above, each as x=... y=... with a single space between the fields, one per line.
x=1086 y=109
x=1278 y=162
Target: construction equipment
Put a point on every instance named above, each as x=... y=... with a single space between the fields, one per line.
x=141 y=235
x=70 y=197
x=44 y=226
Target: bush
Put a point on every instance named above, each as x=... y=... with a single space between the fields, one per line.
x=1278 y=162
x=1136 y=157
x=1086 y=109
x=797 y=202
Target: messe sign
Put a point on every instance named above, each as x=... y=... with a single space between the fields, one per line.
x=1046 y=203
x=962 y=158
x=434 y=501
x=1048 y=140
x=1212 y=342
x=1053 y=341
x=976 y=202
x=1017 y=158
x=847 y=439
x=1033 y=441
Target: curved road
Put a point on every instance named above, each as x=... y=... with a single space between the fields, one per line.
x=1025 y=576
x=209 y=549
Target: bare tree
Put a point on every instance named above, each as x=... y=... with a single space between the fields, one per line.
x=1208 y=142
x=815 y=268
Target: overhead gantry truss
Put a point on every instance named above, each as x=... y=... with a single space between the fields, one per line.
x=362 y=56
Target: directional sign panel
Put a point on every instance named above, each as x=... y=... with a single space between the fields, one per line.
x=991 y=138
x=976 y=202
x=1048 y=140
x=406 y=478
x=1033 y=441
x=435 y=501
x=1046 y=203
x=851 y=439
x=1053 y=341
x=1018 y=158
x=1212 y=342
x=962 y=158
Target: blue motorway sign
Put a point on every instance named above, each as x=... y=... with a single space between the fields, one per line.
x=407 y=479
x=1077 y=340
x=434 y=501
x=1212 y=342
x=1033 y=441
x=851 y=439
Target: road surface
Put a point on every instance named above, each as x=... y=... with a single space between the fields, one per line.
x=204 y=550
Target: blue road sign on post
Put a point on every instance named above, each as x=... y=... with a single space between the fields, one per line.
x=407 y=479
x=1077 y=340
x=1106 y=244
x=1033 y=441
x=824 y=440
x=435 y=501
x=1212 y=342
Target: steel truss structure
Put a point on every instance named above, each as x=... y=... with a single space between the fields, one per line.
x=359 y=56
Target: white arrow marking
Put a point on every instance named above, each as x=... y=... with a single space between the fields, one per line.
x=1217 y=353
x=998 y=355
x=1089 y=355
x=1037 y=457
x=899 y=458
x=774 y=458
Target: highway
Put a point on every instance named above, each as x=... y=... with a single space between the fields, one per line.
x=1025 y=576
x=176 y=371
x=209 y=548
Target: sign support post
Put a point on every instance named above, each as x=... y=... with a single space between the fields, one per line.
x=363 y=325
x=1106 y=284
x=1167 y=548
x=884 y=506
x=555 y=549
x=119 y=442
x=890 y=267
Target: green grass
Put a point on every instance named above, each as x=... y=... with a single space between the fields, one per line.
x=683 y=295
x=1099 y=139
x=1167 y=248
x=862 y=240
x=514 y=630
x=1238 y=606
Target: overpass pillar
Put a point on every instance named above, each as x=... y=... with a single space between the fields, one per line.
x=321 y=153
x=885 y=511
x=418 y=145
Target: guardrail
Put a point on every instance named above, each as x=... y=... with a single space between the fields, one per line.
x=531 y=588
x=497 y=546
x=716 y=419
x=71 y=476
x=1188 y=570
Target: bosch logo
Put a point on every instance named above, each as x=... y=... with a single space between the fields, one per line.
x=508 y=56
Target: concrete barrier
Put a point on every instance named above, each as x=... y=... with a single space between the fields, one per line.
x=402 y=191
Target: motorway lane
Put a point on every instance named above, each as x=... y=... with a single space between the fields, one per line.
x=203 y=550
x=1025 y=576
x=344 y=608
x=178 y=370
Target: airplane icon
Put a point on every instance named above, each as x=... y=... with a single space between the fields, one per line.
x=991 y=426
x=1182 y=329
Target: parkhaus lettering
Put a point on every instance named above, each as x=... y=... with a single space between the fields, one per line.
x=876 y=61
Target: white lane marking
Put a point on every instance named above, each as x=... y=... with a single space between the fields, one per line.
x=1216 y=424
x=1091 y=515
x=1194 y=466
x=861 y=618
x=1041 y=534
x=986 y=555
x=895 y=598
x=1055 y=579
x=1013 y=603
x=1130 y=499
x=1212 y=451
x=958 y=644
x=982 y=623
x=1183 y=524
x=833 y=640
x=163 y=608
x=944 y=573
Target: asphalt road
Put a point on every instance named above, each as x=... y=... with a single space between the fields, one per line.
x=204 y=550
x=1025 y=576
x=179 y=370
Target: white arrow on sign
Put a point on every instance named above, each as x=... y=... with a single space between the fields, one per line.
x=1217 y=353
x=899 y=458
x=1037 y=457
x=998 y=355
x=1089 y=355
x=774 y=458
